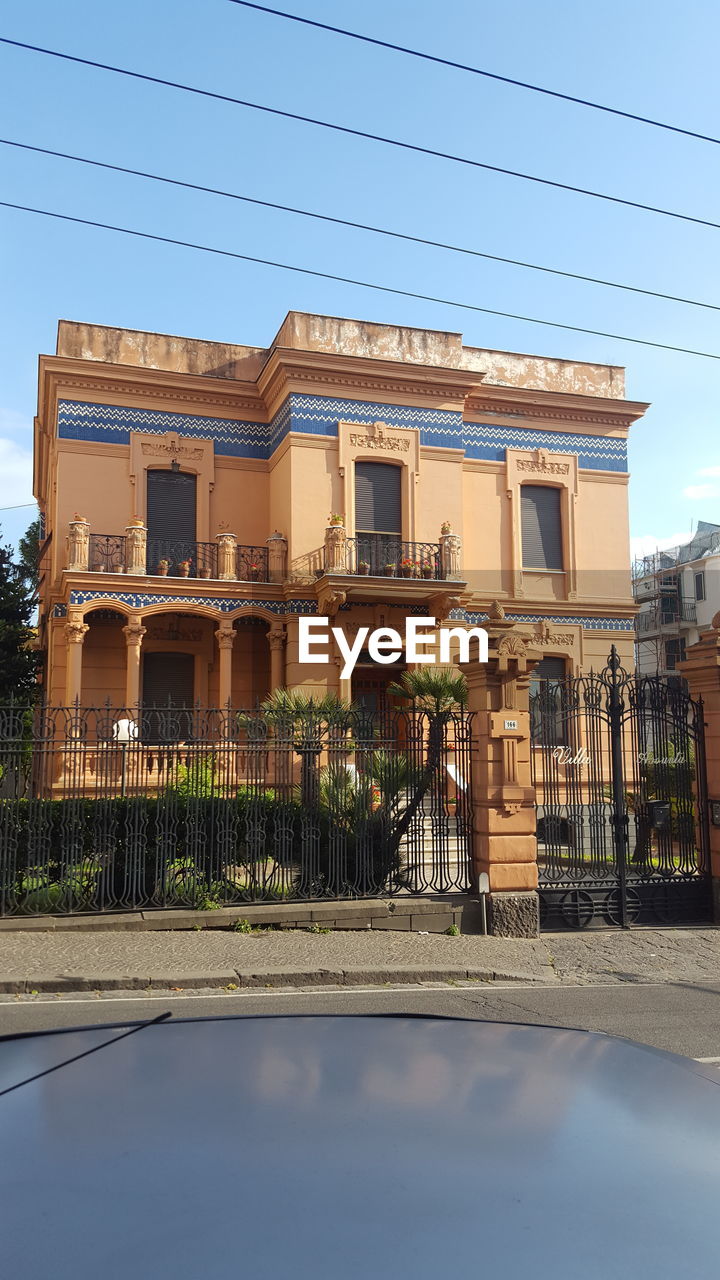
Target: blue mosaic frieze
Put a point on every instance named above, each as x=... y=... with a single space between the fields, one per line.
x=320 y=415
x=588 y=624
x=142 y=600
x=598 y=453
x=112 y=424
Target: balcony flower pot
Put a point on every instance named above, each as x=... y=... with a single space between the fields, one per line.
x=445 y=527
x=184 y=569
x=336 y=519
x=255 y=573
x=428 y=571
x=406 y=570
x=363 y=568
x=389 y=570
x=98 y=567
x=162 y=569
x=203 y=573
x=118 y=568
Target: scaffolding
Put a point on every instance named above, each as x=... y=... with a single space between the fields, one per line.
x=657 y=582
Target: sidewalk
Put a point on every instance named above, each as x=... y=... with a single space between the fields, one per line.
x=130 y=961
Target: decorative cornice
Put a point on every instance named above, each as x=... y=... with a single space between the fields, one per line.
x=552 y=406
x=59 y=375
x=287 y=370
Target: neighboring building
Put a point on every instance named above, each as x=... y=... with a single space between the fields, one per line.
x=186 y=489
x=678 y=591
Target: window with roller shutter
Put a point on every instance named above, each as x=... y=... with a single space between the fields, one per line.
x=378 y=514
x=171 y=518
x=541 y=519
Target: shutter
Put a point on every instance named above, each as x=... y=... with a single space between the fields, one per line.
x=168 y=676
x=377 y=498
x=550 y=669
x=541 y=527
x=169 y=683
x=171 y=506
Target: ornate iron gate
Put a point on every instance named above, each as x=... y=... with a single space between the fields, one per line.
x=622 y=817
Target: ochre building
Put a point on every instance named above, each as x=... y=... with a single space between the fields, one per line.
x=197 y=498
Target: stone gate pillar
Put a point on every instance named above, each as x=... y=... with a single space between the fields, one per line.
x=504 y=845
x=701 y=669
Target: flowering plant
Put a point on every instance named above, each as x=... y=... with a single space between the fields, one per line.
x=336 y=518
x=408 y=564
x=445 y=527
x=363 y=564
x=184 y=564
x=163 y=564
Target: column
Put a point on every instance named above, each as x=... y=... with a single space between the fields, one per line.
x=75 y=632
x=225 y=636
x=136 y=548
x=78 y=544
x=504 y=845
x=227 y=549
x=701 y=669
x=133 y=632
x=276 y=640
x=449 y=553
x=335 y=549
x=277 y=546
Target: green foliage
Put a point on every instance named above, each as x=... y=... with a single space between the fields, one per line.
x=436 y=690
x=453 y=931
x=242 y=926
x=29 y=555
x=19 y=663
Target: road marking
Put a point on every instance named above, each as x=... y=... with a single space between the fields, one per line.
x=711 y=1060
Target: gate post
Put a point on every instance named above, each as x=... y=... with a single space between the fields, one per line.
x=701 y=669
x=504 y=844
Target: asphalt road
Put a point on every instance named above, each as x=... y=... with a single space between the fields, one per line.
x=681 y=1017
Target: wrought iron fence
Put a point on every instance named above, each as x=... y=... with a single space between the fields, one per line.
x=251 y=564
x=622 y=820
x=220 y=807
x=182 y=559
x=382 y=556
x=107 y=553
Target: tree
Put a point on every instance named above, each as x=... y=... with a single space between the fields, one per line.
x=18 y=661
x=29 y=555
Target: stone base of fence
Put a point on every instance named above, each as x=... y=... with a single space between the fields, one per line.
x=514 y=915
x=421 y=915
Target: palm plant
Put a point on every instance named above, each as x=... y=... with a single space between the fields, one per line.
x=438 y=693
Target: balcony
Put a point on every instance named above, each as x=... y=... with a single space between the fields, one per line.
x=666 y=616
x=382 y=557
x=134 y=553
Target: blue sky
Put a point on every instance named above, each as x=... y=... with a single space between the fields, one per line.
x=656 y=59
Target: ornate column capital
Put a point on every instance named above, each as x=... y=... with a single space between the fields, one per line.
x=134 y=633
x=75 y=631
x=225 y=637
x=277 y=637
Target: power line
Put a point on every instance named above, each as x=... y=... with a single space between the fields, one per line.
x=361 y=284
x=357 y=226
x=361 y=133
x=18 y=505
x=478 y=71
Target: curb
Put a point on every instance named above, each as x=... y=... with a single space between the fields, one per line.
x=234 y=979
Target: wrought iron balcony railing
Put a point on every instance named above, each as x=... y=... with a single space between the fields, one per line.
x=251 y=564
x=109 y=553
x=181 y=559
x=378 y=555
